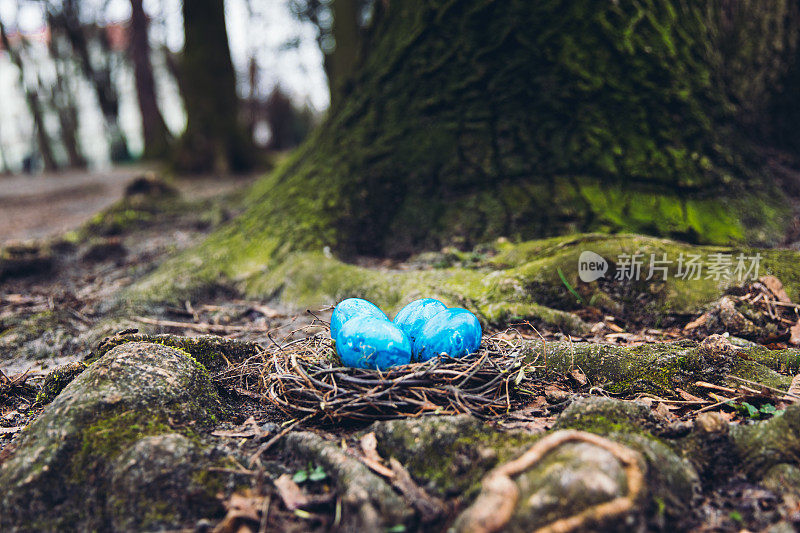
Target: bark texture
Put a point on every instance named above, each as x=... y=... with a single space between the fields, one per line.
x=472 y=119
x=215 y=138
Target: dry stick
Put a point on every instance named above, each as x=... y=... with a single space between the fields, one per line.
x=794 y=389
x=711 y=386
x=718 y=404
x=767 y=387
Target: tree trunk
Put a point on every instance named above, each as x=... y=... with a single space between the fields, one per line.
x=344 y=59
x=470 y=120
x=215 y=138
x=34 y=104
x=156 y=135
x=61 y=98
x=67 y=20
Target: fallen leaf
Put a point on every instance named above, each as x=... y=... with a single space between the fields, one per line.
x=243 y=513
x=579 y=377
x=689 y=397
x=696 y=323
x=776 y=288
x=369 y=445
x=290 y=492
x=794 y=333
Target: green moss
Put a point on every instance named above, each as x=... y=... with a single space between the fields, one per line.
x=520 y=282
x=56 y=380
x=208 y=352
x=449 y=455
x=100 y=442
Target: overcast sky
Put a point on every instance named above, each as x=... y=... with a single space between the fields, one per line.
x=298 y=70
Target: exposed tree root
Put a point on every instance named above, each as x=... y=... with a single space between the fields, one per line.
x=495 y=505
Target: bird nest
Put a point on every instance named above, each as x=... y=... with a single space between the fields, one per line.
x=305 y=381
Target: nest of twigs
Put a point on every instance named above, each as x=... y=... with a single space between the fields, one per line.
x=305 y=381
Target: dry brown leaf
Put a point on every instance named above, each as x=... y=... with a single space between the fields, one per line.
x=696 y=323
x=794 y=333
x=579 y=377
x=776 y=288
x=243 y=513
x=688 y=396
x=369 y=445
x=292 y=495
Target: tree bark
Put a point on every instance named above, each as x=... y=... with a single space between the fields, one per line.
x=343 y=61
x=215 y=138
x=154 y=129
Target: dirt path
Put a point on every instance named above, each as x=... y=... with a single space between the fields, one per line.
x=33 y=207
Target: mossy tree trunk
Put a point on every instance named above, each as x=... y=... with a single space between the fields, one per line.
x=215 y=138
x=471 y=119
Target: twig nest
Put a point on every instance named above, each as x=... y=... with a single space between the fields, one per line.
x=371 y=342
x=413 y=317
x=455 y=332
x=351 y=308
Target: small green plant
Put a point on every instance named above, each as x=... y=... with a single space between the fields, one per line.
x=751 y=411
x=312 y=473
x=569 y=287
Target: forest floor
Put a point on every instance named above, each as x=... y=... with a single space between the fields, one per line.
x=57 y=316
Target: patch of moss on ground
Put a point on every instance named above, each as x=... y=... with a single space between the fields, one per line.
x=522 y=281
x=209 y=352
x=101 y=441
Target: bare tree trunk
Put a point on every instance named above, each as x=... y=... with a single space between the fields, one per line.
x=34 y=104
x=215 y=138
x=154 y=129
x=67 y=20
x=63 y=101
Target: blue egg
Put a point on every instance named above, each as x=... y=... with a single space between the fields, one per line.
x=454 y=331
x=369 y=342
x=350 y=308
x=413 y=317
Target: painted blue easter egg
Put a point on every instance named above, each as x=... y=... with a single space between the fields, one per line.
x=413 y=317
x=454 y=331
x=351 y=308
x=370 y=342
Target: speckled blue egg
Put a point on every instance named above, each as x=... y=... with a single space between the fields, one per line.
x=370 y=342
x=413 y=317
x=351 y=308
x=454 y=331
